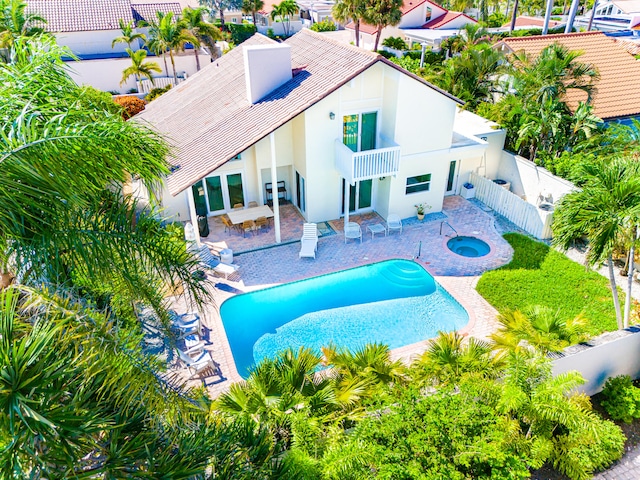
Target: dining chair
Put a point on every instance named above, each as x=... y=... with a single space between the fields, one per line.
x=248 y=226
x=228 y=226
x=253 y=204
x=261 y=222
x=238 y=206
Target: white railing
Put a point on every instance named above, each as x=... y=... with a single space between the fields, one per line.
x=525 y=215
x=158 y=82
x=356 y=166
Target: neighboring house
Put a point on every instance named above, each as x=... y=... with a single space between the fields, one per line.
x=264 y=21
x=612 y=16
x=422 y=21
x=88 y=27
x=230 y=16
x=315 y=11
x=617 y=95
x=338 y=125
x=525 y=22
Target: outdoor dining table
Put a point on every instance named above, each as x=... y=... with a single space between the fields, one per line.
x=240 y=215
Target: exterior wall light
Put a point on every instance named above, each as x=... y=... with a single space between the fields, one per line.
x=332 y=116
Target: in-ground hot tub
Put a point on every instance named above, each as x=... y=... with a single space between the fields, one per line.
x=471 y=247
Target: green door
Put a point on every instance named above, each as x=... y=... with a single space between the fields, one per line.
x=350 y=129
x=199 y=198
x=368 y=133
x=214 y=194
x=359 y=195
x=234 y=186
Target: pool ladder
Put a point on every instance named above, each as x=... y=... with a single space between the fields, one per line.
x=418 y=251
x=444 y=222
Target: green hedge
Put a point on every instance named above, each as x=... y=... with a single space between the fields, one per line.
x=539 y=275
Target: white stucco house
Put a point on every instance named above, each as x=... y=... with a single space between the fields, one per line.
x=88 y=28
x=422 y=21
x=344 y=129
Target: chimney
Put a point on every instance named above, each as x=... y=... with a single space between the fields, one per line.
x=266 y=67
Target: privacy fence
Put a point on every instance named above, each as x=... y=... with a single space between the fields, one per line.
x=530 y=218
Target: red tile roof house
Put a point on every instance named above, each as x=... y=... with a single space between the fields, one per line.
x=334 y=123
x=88 y=27
x=420 y=18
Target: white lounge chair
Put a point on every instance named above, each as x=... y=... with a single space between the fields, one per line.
x=352 y=230
x=308 y=248
x=198 y=363
x=210 y=261
x=394 y=222
x=310 y=235
x=186 y=324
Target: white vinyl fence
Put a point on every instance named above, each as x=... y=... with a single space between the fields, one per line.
x=530 y=218
x=158 y=82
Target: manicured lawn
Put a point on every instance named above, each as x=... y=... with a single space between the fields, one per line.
x=539 y=275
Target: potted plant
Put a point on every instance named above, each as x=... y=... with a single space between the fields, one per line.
x=421 y=208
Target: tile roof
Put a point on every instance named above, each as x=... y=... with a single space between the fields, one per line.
x=81 y=15
x=618 y=90
x=209 y=120
x=147 y=11
x=442 y=20
x=525 y=21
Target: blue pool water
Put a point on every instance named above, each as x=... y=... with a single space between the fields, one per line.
x=396 y=302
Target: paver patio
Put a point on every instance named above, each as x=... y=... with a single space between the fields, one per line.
x=263 y=263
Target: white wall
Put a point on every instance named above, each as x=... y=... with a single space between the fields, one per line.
x=600 y=362
x=89 y=43
x=106 y=74
x=529 y=180
x=278 y=27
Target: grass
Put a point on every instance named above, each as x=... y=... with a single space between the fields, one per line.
x=539 y=275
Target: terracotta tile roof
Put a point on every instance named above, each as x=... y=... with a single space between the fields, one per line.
x=147 y=11
x=630 y=46
x=81 y=15
x=209 y=120
x=524 y=21
x=618 y=90
x=439 y=22
x=407 y=6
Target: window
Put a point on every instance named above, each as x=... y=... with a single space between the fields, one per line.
x=237 y=157
x=419 y=183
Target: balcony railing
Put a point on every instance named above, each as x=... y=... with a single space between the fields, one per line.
x=356 y=166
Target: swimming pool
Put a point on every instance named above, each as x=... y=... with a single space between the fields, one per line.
x=395 y=302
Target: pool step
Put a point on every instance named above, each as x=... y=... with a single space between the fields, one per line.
x=401 y=276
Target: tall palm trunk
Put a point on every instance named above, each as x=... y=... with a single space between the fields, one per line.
x=173 y=66
x=253 y=14
x=547 y=17
x=375 y=45
x=195 y=51
x=593 y=14
x=627 y=300
x=357 y=28
x=164 y=59
x=614 y=292
x=514 y=16
x=222 y=19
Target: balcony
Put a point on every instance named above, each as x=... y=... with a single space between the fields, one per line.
x=356 y=166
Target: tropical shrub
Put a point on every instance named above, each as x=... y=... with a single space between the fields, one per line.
x=396 y=43
x=156 y=92
x=325 y=25
x=241 y=31
x=386 y=54
x=131 y=105
x=588 y=448
x=621 y=398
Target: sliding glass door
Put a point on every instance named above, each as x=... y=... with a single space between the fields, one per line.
x=218 y=193
x=360 y=196
x=359 y=131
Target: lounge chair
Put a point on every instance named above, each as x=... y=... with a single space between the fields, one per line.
x=186 y=324
x=209 y=261
x=310 y=234
x=198 y=363
x=394 y=222
x=307 y=248
x=352 y=230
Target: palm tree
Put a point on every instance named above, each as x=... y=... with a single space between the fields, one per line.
x=538 y=327
x=252 y=7
x=128 y=36
x=284 y=10
x=75 y=228
x=169 y=35
x=383 y=13
x=205 y=32
x=606 y=210
x=220 y=6
x=15 y=23
x=139 y=68
x=447 y=359
x=350 y=10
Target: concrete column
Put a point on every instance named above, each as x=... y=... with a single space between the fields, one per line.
x=346 y=203
x=193 y=214
x=274 y=187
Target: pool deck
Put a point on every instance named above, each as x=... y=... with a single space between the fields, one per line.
x=262 y=264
